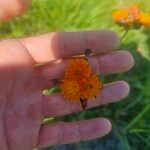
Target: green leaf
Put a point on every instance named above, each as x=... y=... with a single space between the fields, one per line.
x=51 y=91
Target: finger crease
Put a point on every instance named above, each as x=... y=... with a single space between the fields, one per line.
x=23 y=45
x=80 y=132
x=60 y=133
x=85 y=41
x=45 y=106
x=62 y=44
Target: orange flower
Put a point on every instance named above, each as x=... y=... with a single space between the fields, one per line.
x=70 y=89
x=90 y=87
x=145 y=19
x=134 y=13
x=78 y=68
x=131 y=17
x=79 y=83
x=121 y=17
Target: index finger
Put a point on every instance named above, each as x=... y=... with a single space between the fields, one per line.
x=54 y=46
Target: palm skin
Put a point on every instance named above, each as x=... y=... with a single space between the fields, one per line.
x=20 y=99
x=22 y=105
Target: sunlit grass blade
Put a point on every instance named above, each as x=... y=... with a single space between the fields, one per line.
x=137 y=118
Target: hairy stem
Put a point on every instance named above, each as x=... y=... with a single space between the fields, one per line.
x=123 y=36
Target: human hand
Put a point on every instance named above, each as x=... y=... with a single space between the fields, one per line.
x=22 y=105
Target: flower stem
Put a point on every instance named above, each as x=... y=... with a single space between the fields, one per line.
x=125 y=33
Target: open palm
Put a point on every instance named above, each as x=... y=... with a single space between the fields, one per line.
x=22 y=105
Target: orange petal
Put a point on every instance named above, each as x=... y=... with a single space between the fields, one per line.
x=120 y=15
x=145 y=19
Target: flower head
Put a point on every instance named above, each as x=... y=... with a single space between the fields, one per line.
x=131 y=17
x=121 y=17
x=145 y=19
x=134 y=13
x=78 y=68
x=79 y=82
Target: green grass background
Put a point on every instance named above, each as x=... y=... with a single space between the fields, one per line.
x=130 y=117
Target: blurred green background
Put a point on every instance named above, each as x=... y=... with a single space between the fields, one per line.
x=130 y=117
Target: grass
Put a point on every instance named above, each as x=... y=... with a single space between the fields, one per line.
x=130 y=117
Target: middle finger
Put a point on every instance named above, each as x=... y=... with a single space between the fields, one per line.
x=110 y=63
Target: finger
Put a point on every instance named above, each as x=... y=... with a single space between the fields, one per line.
x=12 y=53
x=12 y=8
x=56 y=105
x=54 y=46
x=64 y=133
x=114 y=62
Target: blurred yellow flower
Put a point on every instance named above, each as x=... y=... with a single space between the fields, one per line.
x=79 y=83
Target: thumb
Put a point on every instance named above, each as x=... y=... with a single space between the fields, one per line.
x=12 y=8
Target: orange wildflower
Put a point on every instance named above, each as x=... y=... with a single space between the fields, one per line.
x=121 y=17
x=70 y=89
x=79 y=83
x=145 y=19
x=131 y=17
x=133 y=13
x=78 y=68
x=90 y=87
